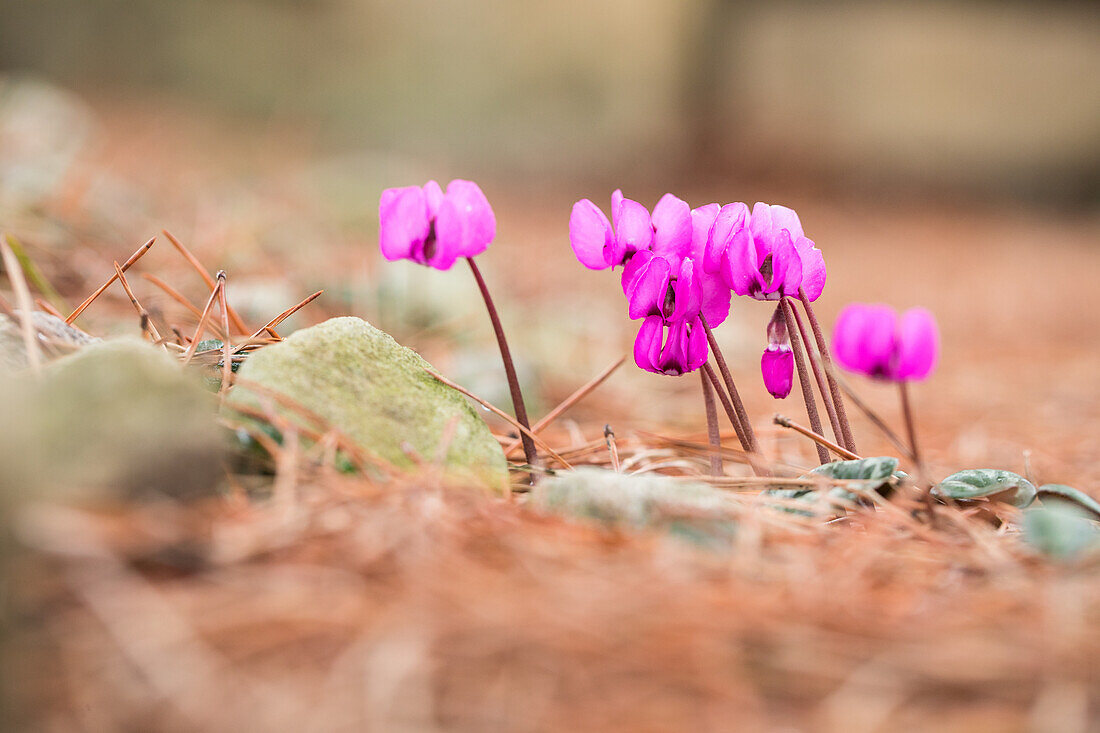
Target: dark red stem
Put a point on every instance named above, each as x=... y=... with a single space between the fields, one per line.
x=509 y=368
x=748 y=439
x=849 y=440
x=803 y=375
x=713 y=433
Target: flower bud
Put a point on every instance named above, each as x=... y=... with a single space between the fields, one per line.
x=777 y=366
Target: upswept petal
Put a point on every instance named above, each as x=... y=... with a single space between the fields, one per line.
x=740 y=268
x=762 y=227
x=786 y=218
x=697 y=348
x=672 y=227
x=813 y=268
x=647 y=292
x=464 y=226
x=674 y=356
x=647 y=345
x=590 y=235
x=433 y=194
x=918 y=342
x=634 y=229
x=634 y=265
x=730 y=219
x=403 y=222
x=688 y=293
x=786 y=266
x=702 y=219
x=616 y=202
x=716 y=296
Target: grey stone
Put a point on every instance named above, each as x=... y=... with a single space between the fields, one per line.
x=117 y=420
x=376 y=392
x=54 y=336
x=689 y=509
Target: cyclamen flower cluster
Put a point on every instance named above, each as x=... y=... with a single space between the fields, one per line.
x=663 y=278
x=681 y=265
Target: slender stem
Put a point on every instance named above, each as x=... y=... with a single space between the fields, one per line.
x=803 y=375
x=821 y=440
x=748 y=439
x=849 y=441
x=754 y=459
x=911 y=430
x=713 y=433
x=509 y=369
x=819 y=377
x=877 y=421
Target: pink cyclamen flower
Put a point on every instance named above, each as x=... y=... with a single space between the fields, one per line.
x=765 y=254
x=672 y=348
x=777 y=362
x=428 y=226
x=874 y=340
x=669 y=279
x=599 y=243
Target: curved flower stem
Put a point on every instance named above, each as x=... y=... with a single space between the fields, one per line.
x=509 y=369
x=748 y=437
x=713 y=433
x=819 y=377
x=803 y=375
x=849 y=441
x=911 y=429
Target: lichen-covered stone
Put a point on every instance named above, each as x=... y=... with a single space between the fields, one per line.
x=62 y=337
x=693 y=510
x=377 y=393
x=117 y=420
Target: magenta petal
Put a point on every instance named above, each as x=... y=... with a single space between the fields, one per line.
x=787 y=266
x=716 y=298
x=403 y=223
x=632 y=268
x=863 y=338
x=674 y=357
x=433 y=194
x=813 y=268
x=918 y=342
x=464 y=226
x=740 y=268
x=616 y=202
x=702 y=219
x=697 y=349
x=761 y=225
x=688 y=293
x=647 y=345
x=647 y=292
x=777 y=368
x=633 y=230
x=730 y=219
x=785 y=218
x=672 y=227
x=590 y=235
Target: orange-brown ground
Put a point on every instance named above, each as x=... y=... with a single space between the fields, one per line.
x=426 y=607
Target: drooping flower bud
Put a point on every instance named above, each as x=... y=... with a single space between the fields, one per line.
x=777 y=362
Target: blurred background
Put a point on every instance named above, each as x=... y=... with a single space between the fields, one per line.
x=941 y=153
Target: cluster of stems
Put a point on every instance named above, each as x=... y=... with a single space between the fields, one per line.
x=820 y=363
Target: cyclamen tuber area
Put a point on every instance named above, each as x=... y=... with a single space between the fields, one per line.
x=351 y=382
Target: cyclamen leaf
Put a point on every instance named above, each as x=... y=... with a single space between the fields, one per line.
x=977 y=483
x=1061 y=530
x=1061 y=491
x=875 y=472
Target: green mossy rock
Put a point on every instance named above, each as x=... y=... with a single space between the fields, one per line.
x=118 y=420
x=376 y=392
